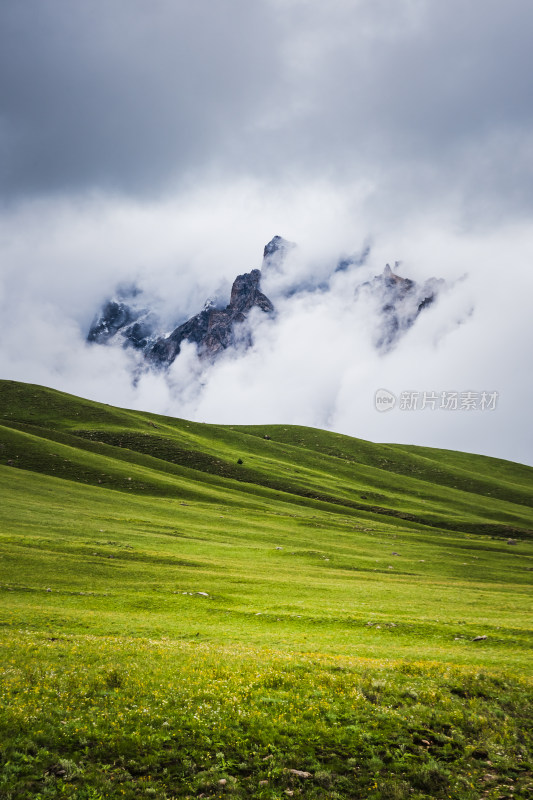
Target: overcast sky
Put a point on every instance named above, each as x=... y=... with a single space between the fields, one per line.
x=166 y=142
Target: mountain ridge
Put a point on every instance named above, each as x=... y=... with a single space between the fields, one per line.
x=398 y=302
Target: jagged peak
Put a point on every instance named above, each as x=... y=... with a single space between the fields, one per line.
x=276 y=251
x=216 y=327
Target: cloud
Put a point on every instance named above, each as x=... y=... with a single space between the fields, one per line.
x=165 y=145
x=314 y=363
x=427 y=102
x=118 y=95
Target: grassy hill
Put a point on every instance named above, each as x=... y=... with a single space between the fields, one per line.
x=196 y=609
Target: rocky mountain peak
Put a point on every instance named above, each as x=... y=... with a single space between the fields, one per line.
x=275 y=252
x=246 y=293
x=125 y=319
x=213 y=329
x=400 y=301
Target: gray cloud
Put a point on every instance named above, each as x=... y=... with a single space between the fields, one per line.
x=424 y=100
x=434 y=102
x=125 y=95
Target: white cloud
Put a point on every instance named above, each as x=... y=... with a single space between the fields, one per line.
x=314 y=364
x=167 y=148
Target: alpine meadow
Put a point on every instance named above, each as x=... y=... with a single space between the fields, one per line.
x=196 y=610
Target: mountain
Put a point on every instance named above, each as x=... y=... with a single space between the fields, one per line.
x=399 y=301
x=124 y=319
x=275 y=253
x=213 y=329
x=128 y=320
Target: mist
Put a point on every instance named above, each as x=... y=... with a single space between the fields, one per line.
x=165 y=147
x=315 y=362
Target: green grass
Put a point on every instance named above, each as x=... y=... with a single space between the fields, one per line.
x=173 y=618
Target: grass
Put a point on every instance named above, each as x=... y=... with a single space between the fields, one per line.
x=175 y=623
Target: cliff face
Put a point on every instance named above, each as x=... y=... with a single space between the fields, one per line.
x=214 y=330
x=399 y=302
x=396 y=301
x=124 y=319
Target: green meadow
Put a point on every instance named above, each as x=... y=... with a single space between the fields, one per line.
x=193 y=610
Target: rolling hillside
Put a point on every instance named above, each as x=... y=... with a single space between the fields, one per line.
x=127 y=538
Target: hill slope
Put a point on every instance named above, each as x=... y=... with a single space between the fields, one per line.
x=284 y=578
x=167 y=503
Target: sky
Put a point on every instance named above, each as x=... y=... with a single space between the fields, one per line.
x=166 y=143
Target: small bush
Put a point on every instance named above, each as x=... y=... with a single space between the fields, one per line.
x=430 y=778
x=324 y=778
x=394 y=790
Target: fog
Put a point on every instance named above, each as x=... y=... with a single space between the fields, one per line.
x=167 y=146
